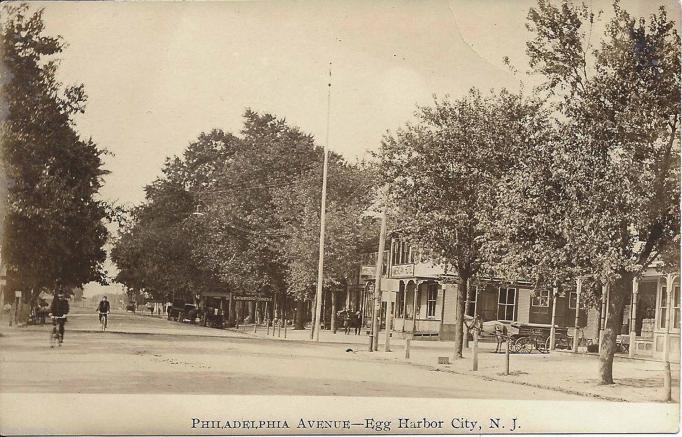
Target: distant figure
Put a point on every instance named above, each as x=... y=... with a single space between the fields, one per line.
x=104 y=308
x=357 y=322
x=59 y=309
x=347 y=321
x=500 y=336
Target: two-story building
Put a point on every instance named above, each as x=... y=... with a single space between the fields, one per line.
x=421 y=292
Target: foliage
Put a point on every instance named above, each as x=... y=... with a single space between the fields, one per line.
x=154 y=251
x=444 y=171
x=243 y=213
x=602 y=198
x=349 y=192
x=54 y=229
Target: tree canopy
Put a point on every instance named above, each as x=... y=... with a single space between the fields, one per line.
x=443 y=171
x=602 y=198
x=54 y=224
x=242 y=213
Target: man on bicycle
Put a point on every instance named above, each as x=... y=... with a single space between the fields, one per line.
x=58 y=310
x=103 y=309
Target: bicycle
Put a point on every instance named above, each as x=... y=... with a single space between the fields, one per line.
x=57 y=334
x=103 y=318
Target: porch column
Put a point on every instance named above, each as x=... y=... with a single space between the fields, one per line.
x=414 y=308
x=633 y=316
x=552 y=329
x=404 y=306
x=476 y=287
x=578 y=290
x=669 y=280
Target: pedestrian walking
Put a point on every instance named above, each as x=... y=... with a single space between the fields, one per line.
x=347 y=321
x=357 y=322
x=500 y=336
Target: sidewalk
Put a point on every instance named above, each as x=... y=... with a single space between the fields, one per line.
x=635 y=380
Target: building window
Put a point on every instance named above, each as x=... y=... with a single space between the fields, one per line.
x=662 y=308
x=572 y=299
x=541 y=298
x=431 y=295
x=400 y=301
x=506 y=304
x=676 y=307
x=471 y=298
x=404 y=253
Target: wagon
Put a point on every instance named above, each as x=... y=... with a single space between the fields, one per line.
x=536 y=336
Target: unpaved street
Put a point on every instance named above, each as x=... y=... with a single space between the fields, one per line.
x=153 y=356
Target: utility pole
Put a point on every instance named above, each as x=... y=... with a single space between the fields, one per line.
x=320 y=263
x=389 y=313
x=376 y=325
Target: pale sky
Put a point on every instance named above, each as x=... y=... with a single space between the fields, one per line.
x=158 y=74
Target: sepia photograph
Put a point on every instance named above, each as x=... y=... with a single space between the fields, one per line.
x=335 y=217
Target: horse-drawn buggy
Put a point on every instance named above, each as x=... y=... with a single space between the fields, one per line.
x=536 y=336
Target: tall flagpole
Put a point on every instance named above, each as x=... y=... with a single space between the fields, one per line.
x=320 y=262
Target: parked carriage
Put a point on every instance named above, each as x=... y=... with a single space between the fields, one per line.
x=536 y=336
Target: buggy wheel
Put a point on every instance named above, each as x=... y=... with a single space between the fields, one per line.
x=524 y=345
x=514 y=344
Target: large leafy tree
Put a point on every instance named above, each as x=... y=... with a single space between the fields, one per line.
x=155 y=250
x=243 y=230
x=54 y=230
x=443 y=171
x=350 y=189
x=602 y=199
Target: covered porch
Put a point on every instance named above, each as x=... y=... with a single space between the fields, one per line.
x=418 y=308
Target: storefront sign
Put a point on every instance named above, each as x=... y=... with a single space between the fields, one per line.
x=368 y=270
x=429 y=269
x=402 y=271
x=253 y=298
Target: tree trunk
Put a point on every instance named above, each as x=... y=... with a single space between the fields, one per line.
x=252 y=311
x=460 y=302
x=231 y=311
x=333 y=322
x=299 y=317
x=466 y=331
x=617 y=297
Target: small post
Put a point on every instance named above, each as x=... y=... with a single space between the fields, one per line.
x=266 y=316
x=407 y=348
x=667 y=392
x=633 y=317
x=578 y=291
x=475 y=354
x=285 y=328
x=371 y=343
x=267 y=327
x=552 y=329
x=506 y=358
x=255 y=326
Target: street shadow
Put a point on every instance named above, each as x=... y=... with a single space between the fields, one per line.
x=635 y=382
